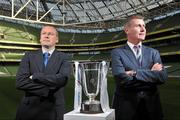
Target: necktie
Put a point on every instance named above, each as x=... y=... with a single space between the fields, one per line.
x=46 y=58
x=138 y=53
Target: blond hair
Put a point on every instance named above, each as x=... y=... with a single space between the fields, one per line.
x=133 y=17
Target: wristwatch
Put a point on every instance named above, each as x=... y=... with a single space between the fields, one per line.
x=134 y=73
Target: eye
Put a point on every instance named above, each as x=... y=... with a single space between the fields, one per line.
x=139 y=25
x=50 y=33
x=43 y=33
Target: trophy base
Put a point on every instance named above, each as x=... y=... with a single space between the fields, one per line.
x=92 y=107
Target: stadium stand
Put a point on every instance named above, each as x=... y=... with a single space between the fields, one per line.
x=165 y=39
x=160 y=39
x=18 y=32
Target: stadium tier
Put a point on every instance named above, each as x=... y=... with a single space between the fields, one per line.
x=17 y=38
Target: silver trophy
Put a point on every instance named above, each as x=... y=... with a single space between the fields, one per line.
x=91 y=78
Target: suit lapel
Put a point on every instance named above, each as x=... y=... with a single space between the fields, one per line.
x=39 y=60
x=52 y=60
x=130 y=55
x=145 y=56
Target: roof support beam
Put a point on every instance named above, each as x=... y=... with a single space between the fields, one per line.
x=96 y=9
x=73 y=10
x=49 y=11
x=21 y=8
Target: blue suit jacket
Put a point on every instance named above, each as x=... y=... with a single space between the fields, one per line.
x=131 y=89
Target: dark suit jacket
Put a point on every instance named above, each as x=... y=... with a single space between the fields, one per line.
x=44 y=99
x=128 y=88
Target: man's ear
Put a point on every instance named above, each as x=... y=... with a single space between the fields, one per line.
x=57 y=41
x=126 y=30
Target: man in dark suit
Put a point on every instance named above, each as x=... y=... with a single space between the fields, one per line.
x=42 y=75
x=137 y=70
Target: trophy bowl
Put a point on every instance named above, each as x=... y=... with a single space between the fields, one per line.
x=91 y=80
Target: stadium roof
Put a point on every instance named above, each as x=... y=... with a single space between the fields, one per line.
x=92 y=13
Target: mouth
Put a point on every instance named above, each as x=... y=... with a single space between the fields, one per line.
x=141 y=33
x=45 y=40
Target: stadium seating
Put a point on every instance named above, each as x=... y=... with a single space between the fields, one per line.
x=16 y=39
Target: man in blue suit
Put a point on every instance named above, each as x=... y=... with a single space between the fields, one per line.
x=42 y=75
x=137 y=70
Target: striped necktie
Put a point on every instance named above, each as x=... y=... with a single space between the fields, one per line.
x=46 y=58
x=138 y=54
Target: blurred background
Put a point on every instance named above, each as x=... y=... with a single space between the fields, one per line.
x=88 y=31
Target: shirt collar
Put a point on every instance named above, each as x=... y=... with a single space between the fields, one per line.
x=131 y=45
x=47 y=50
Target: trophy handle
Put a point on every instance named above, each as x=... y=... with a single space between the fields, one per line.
x=104 y=98
x=78 y=88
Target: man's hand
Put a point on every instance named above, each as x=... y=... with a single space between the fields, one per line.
x=30 y=77
x=156 y=67
x=131 y=73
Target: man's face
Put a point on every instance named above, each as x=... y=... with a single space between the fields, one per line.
x=136 y=30
x=49 y=36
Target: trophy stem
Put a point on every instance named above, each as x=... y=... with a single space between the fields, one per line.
x=91 y=99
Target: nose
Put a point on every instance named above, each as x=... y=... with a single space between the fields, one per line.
x=143 y=29
x=46 y=36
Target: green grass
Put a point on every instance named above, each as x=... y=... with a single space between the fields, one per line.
x=10 y=97
x=170 y=97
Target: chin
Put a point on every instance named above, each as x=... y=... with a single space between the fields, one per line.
x=141 y=39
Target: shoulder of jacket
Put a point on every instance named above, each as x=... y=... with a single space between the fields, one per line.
x=31 y=52
x=60 y=53
x=119 y=48
x=150 y=48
